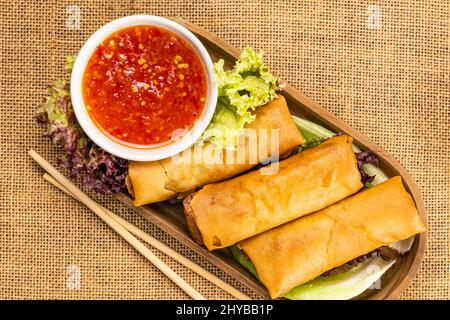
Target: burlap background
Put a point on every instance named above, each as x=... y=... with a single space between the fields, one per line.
x=384 y=69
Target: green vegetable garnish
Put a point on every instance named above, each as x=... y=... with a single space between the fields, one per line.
x=70 y=60
x=244 y=260
x=311 y=130
x=342 y=286
x=241 y=90
x=82 y=160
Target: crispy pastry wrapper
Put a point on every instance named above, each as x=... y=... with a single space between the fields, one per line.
x=228 y=212
x=299 y=251
x=161 y=180
x=145 y=181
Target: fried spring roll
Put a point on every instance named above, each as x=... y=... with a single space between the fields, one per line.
x=222 y=214
x=161 y=180
x=145 y=182
x=299 y=251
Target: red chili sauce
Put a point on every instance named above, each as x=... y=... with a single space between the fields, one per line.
x=144 y=83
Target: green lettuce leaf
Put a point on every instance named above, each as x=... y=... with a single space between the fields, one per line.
x=244 y=260
x=241 y=90
x=55 y=106
x=70 y=60
x=342 y=286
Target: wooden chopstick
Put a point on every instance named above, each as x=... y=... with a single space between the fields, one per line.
x=162 y=247
x=132 y=240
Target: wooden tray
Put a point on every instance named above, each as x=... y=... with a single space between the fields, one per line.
x=170 y=217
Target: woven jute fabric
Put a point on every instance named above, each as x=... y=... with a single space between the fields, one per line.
x=381 y=66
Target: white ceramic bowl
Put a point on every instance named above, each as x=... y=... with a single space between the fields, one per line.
x=136 y=152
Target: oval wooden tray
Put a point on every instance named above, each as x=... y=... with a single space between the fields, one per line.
x=170 y=218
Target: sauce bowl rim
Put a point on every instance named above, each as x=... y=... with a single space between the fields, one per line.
x=130 y=151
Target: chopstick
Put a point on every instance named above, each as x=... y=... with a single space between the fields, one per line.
x=116 y=226
x=162 y=247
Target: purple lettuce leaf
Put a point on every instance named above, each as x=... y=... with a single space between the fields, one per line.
x=83 y=161
x=363 y=158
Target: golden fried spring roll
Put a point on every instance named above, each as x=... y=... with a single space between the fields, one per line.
x=222 y=214
x=275 y=115
x=145 y=181
x=299 y=251
x=161 y=180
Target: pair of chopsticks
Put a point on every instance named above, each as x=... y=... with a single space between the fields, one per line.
x=128 y=231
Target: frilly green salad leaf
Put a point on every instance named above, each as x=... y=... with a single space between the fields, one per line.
x=70 y=60
x=96 y=169
x=241 y=90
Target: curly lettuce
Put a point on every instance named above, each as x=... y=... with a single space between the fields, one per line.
x=241 y=90
x=83 y=161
